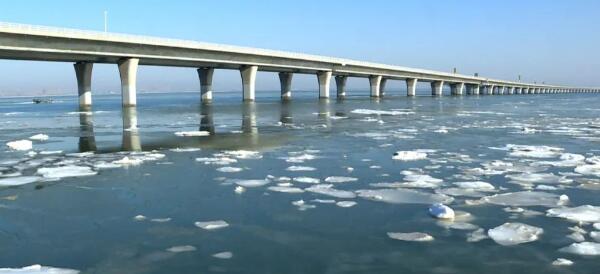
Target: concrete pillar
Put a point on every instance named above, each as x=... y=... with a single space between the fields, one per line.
x=436 y=88
x=206 y=76
x=87 y=139
x=525 y=91
x=457 y=88
x=501 y=90
x=128 y=71
x=248 y=74
x=131 y=136
x=473 y=89
x=324 y=78
x=83 y=72
x=382 y=87
x=511 y=90
x=340 y=83
x=206 y=118
x=375 y=82
x=285 y=78
x=489 y=90
x=411 y=86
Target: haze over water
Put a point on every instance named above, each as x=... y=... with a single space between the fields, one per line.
x=307 y=186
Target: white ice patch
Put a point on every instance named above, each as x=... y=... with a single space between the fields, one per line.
x=243 y=154
x=126 y=161
x=66 y=171
x=340 y=179
x=252 y=183
x=514 y=233
x=17 y=181
x=39 y=137
x=285 y=189
x=223 y=255
x=381 y=112
x=403 y=196
x=181 y=248
x=38 y=269
x=533 y=151
x=192 y=133
x=420 y=180
x=441 y=211
x=20 y=145
x=562 y=262
x=409 y=155
x=584 y=248
x=546 y=178
x=346 y=203
x=593 y=170
x=327 y=189
x=212 y=225
x=411 y=236
x=477 y=185
x=223 y=161
x=566 y=160
x=300 y=168
x=526 y=198
x=307 y=180
x=229 y=169
x=584 y=213
x=477 y=235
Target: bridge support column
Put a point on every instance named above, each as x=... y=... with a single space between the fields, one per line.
x=248 y=74
x=511 y=90
x=436 y=88
x=324 y=78
x=83 y=72
x=340 y=83
x=375 y=82
x=501 y=90
x=457 y=88
x=489 y=90
x=128 y=71
x=473 y=89
x=382 y=87
x=205 y=75
x=285 y=78
x=411 y=87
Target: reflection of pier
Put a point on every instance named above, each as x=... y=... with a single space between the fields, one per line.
x=131 y=135
x=87 y=139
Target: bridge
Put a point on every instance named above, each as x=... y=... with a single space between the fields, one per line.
x=84 y=48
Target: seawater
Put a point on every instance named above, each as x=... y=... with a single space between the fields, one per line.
x=148 y=187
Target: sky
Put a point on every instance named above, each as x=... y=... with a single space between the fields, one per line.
x=554 y=42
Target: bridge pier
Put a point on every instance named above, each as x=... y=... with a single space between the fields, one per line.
x=83 y=72
x=411 y=86
x=472 y=89
x=489 y=90
x=205 y=75
x=501 y=90
x=375 y=82
x=457 y=88
x=324 y=78
x=382 y=87
x=285 y=78
x=248 y=74
x=128 y=71
x=511 y=90
x=340 y=83
x=436 y=88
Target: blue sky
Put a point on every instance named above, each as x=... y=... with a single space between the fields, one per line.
x=552 y=41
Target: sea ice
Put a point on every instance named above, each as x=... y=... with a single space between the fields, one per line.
x=285 y=189
x=477 y=185
x=229 y=169
x=411 y=236
x=533 y=151
x=38 y=269
x=192 y=133
x=252 y=183
x=239 y=189
x=66 y=171
x=403 y=196
x=477 y=236
x=306 y=180
x=441 y=211
x=243 y=154
x=346 y=203
x=20 y=145
x=300 y=168
x=381 y=112
x=181 y=248
x=212 y=225
x=547 y=178
x=39 y=137
x=584 y=213
x=584 y=248
x=409 y=155
x=223 y=255
x=340 y=179
x=17 y=181
x=514 y=233
x=126 y=161
x=327 y=189
x=526 y=198
x=593 y=170
x=562 y=261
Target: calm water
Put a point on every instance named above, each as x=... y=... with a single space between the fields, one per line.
x=89 y=223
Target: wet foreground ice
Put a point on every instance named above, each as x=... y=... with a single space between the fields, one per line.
x=447 y=185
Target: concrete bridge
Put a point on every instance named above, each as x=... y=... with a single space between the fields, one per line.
x=84 y=48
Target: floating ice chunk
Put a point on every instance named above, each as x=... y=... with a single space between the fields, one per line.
x=38 y=269
x=50 y=152
x=514 y=233
x=330 y=191
x=441 y=211
x=420 y=180
x=300 y=168
x=244 y=154
x=252 y=183
x=477 y=236
x=212 y=225
x=239 y=189
x=584 y=248
x=412 y=236
x=526 y=198
x=39 y=137
x=595 y=235
x=229 y=169
x=596 y=226
x=547 y=178
x=66 y=171
x=191 y=149
x=299 y=158
x=192 y=133
x=139 y=218
x=223 y=255
x=576 y=236
x=302 y=205
x=307 y=180
x=478 y=186
x=20 y=145
x=181 y=248
x=285 y=189
x=457 y=225
x=17 y=181
x=562 y=262
x=160 y=220
x=533 y=151
x=381 y=112
x=126 y=161
x=404 y=196
x=584 y=213
x=223 y=161
x=593 y=170
x=409 y=155
x=321 y=201
x=340 y=179
x=455 y=191
x=346 y=203
x=566 y=160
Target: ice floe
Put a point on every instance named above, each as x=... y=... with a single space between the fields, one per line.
x=229 y=169
x=514 y=233
x=20 y=145
x=546 y=178
x=584 y=213
x=340 y=179
x=527 y=198
x=223 y=161
x=441 y=211
x=562 y=262
x=252 y=183
x=327 y=189
x=409 y=155
x=181 y=248
x=302 y=205
x=223 y=255
x=404 y=196
x=533 y=151
x=346 y=203
x=66 y=171
x=593 y=169
x=307 y=180
x=39 y=137
x=212 y=225
x=411 y=236
x=285 y=189
x=17 y=181
x=38 y=269
x=300 y=168
x=381 y=112
x=192 y=133
x=477 y=235
x=584 y=248
x=242 y=154
x=239 y=189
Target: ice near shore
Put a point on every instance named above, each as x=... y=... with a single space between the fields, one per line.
x=20 y=145
x=38 y=269
x=514 y=233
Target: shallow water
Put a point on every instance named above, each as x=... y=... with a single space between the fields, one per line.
x=136 y=211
